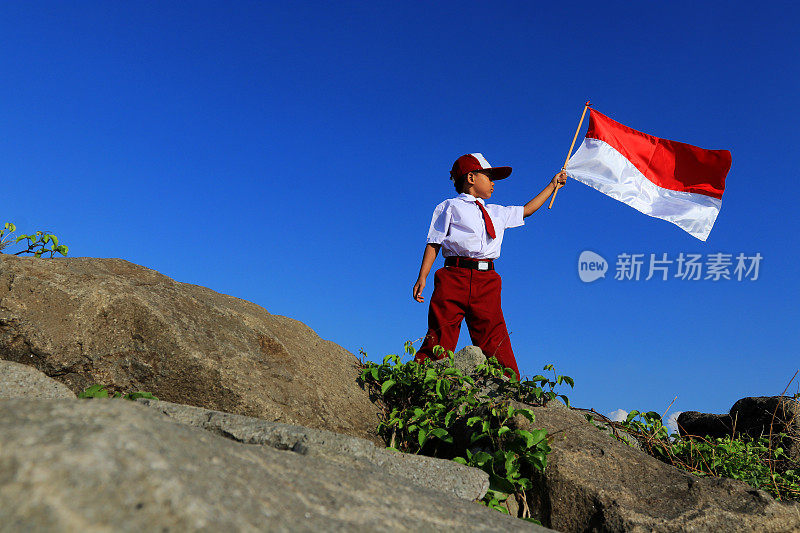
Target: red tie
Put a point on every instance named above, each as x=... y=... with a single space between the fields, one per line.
x=487 y=221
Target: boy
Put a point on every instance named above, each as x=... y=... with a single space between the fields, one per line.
x=470 y=233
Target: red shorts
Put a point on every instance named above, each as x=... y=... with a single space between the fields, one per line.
x=474 y=295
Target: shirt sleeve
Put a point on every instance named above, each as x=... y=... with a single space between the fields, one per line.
x=514 y=216
x=440 y=223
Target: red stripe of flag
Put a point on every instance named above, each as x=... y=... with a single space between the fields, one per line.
x=669 y=164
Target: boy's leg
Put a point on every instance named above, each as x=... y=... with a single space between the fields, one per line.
x=487 y=327
x=447 y=308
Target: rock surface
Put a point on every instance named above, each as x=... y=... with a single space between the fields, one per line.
x=596 y=483
x=445 y=476
x=115 y=465
x=86 y=320
x=23 y=381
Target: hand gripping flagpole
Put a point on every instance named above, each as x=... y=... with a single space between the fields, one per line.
x=569 y=154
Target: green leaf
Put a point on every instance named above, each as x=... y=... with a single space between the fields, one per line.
x=94 y=391
x=498 y=483
x=527 y=413
x=481 y=458
x=459 y=460
x=421 y=437
x=503 y=430
x=511 y=464
x=476 y=437
x=430 y=375
x=448 y=417
x=473 y=420
x=569 y=381
x=387 y=385
x=538 y=460
x=442 y=434
x=538 y=435
x=527 y=436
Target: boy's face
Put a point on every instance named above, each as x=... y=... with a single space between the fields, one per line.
x=482 y=185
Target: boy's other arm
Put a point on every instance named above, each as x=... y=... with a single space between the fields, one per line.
x=557 y=182
x=428 y=257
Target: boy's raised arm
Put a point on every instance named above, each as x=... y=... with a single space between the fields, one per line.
x=428 y=257
x=557 y=182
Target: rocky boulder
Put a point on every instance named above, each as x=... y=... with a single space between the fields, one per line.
x=86 y=320
x=445 y=476
x=594 y=482
x=115 y=465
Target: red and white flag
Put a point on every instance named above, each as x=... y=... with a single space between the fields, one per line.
x=674 y=181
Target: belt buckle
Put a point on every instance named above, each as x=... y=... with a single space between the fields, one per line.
x=483 y=265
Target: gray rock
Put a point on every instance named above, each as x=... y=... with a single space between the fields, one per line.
x=438 y=474
x=84 y=320
x=762 y=415
x=595 y=483
x=114 y=465
x=23 y=381
x=467 y=358
x=694 y=423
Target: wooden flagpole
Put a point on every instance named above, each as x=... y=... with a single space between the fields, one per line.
x=569 y=154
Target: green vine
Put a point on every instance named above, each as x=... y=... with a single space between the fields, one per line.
x=36 y=242
x=98 y=391
x=434 y=409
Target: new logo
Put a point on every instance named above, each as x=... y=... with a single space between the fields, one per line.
x=591 y=266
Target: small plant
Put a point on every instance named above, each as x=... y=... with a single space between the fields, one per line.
x=98 y=391
x=36 y=242
x=434 y=409
x=535 y=384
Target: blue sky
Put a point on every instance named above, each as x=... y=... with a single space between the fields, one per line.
x=291 y=154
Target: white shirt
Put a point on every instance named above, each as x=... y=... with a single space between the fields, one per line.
x=458 y=225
